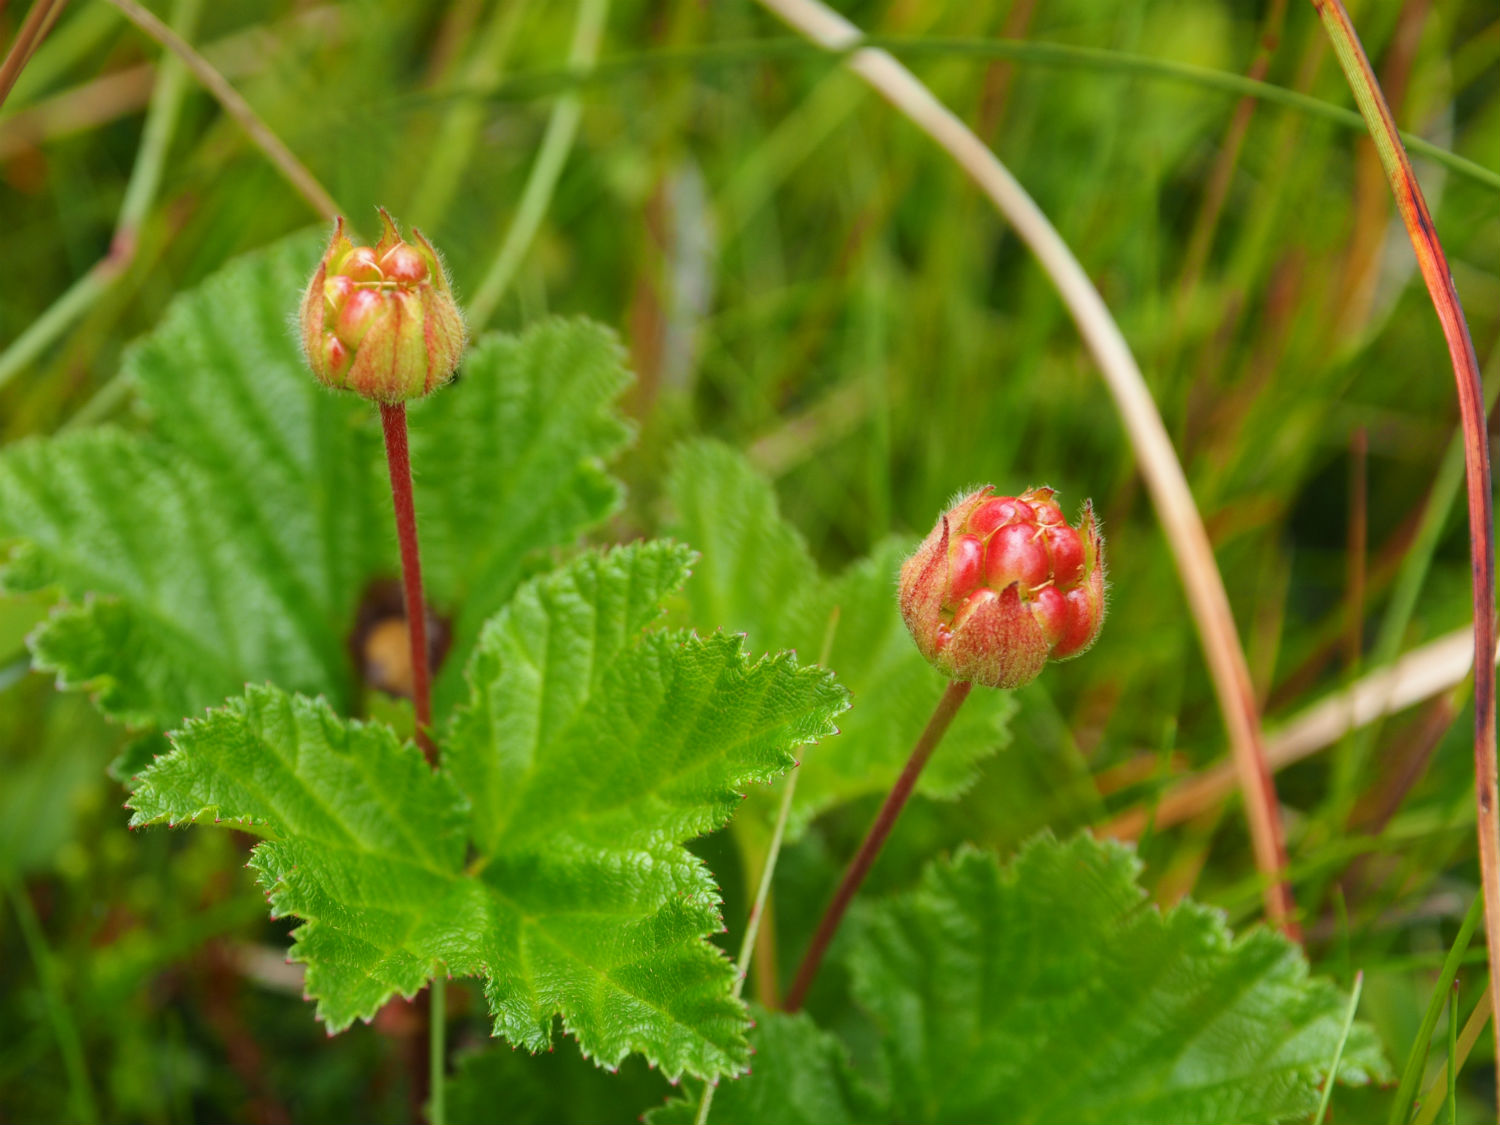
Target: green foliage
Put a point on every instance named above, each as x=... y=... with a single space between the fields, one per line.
x=757 y=575
x=1048 y=991
x=589 y=750
x=233 y=540
x=802 y=275
x=511 y=464
x=496 y=1085
x=802 y=1076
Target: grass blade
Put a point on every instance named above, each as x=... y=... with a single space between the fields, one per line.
x=1416 y=1059
x=1163 y=473
x=1439 y=280
x=1338 y=1052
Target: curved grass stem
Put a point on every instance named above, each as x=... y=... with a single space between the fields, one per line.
x=1181 y=522
x=140 y=192
x=274 y=148
x=937 y=726
x=1433 y=264
x=39 y=20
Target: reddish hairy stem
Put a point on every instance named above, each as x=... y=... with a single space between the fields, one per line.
x=885 y=820
x=398 y=459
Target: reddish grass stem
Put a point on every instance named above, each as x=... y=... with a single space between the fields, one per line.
x=937 y=726
x=1439 y=281
x=39 y=20
x=398 y=459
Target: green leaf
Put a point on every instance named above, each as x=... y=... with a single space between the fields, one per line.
x=758 y=576
x=1049 y=991
x=809 y=1081
x=361 y=838
x=511 y=463
x=187 y=613
x=292 y=467
x=590 y=750
x=232 y=542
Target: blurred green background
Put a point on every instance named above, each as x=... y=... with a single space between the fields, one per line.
x=799 y=272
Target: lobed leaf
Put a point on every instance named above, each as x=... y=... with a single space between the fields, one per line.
x=758 y=576
x=590 y=749
x=232 y=542
x=183 y=609
x=1049 y=991
x=511 y=463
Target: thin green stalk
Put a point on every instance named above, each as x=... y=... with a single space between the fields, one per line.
x=557 y=143
x=1432 y=1100
x=767 y=873
x=1416 y=1059
x=449 y=152
x=260 y=134
x=1453 y=1055
x=161 y=123
x=1338 y=1052
x=64 y=1029
x=437 y=1053
x=752 y=926
x=1438 y=278
x=140 y=192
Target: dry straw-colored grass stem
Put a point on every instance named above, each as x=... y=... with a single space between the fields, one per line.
x=1179 y=516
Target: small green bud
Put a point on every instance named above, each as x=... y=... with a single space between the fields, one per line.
x=381 y=320
x=1002 y=585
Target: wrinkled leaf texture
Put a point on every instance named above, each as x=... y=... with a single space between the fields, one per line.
x=1049 y=990
x=231 y=541
x=758 y=576
x=545 y=857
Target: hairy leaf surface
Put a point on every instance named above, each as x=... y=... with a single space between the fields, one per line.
x=1049 y=991
x=758 y=576
x=232 y=541
x=590 y=749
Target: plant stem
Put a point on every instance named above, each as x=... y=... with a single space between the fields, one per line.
x=1432 y=1101
x=398 y=460
x=33 y=29
x=260 y=134
x=1416 y=1059
x=937 y=726
x=557 y=143
x=1338 y=1051
x=1176 y=509
x=145 y=178
x=1453 y=1055
x=437 y=1028
x=1439 y=281
x=757 y=913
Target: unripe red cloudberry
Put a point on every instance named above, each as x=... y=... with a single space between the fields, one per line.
x=1002 y=585
x=381 y=320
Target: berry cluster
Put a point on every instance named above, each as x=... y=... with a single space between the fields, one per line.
x=1002 y=585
